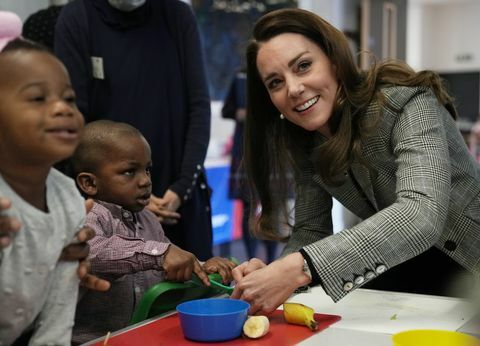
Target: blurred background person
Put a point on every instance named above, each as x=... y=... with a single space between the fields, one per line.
x=474 y=140
x=141 y=62
x=40 y=26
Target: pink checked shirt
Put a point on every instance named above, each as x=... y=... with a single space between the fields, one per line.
x=128 y=251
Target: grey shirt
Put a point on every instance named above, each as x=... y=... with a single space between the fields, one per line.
x=36 y=289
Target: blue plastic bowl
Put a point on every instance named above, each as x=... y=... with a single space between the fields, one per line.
x=212 y=319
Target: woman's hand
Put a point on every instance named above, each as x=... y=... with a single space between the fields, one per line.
x=179 y=265
x=165 y=208
x=246 y=268
x=222 y=266
x=267 y=287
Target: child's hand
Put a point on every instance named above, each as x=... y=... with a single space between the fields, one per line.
x=179 y=264
x=222 y=266
x=8 y=225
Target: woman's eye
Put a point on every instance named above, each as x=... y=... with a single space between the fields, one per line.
x=273 y=84
x=304 y=65
x=149 y=170
x=130 y=172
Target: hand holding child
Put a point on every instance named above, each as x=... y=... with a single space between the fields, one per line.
x=8 y=225
x=220 y=265
x=78 y=251
x=180 y=264
x=72 y=252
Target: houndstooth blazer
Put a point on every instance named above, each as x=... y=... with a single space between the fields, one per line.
x=422 y=189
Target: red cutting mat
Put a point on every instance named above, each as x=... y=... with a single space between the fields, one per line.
x=167 y=331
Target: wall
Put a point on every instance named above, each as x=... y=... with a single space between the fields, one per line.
x=23 y=8
x=443 y=35
x=376 y=29
x=330 y=10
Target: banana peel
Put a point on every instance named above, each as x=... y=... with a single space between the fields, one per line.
x=300 y=314
x=256 y=326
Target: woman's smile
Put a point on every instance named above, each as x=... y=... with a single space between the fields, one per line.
x=306 y=105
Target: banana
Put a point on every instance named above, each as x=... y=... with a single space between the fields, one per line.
x=297 y=313
x=256 y=326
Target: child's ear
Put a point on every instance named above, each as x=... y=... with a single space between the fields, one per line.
x=87 y=183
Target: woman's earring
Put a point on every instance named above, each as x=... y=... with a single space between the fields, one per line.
x=282 y=116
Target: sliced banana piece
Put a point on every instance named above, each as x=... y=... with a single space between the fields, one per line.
x=256 y=326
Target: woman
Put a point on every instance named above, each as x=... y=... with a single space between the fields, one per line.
x=383 y=142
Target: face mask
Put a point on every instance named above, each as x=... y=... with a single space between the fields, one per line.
x=126 y=5
x=59 y=2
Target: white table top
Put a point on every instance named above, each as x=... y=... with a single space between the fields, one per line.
x=370 y=317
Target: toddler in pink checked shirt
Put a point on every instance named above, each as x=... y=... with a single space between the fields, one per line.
x=112 y=165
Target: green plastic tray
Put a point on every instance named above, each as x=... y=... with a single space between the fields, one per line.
x=165 y=296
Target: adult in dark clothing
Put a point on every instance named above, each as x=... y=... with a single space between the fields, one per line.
x=40 y=26
x=140 y=62
x=234 y=108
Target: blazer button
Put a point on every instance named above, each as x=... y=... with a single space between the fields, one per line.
x=450 y=245
x=347 y=286
x=380 y=269
x=369 y=275
x=359 y=280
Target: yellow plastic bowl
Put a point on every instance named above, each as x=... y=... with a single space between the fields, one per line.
x=426 y=337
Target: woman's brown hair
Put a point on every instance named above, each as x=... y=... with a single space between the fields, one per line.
x=273 y=147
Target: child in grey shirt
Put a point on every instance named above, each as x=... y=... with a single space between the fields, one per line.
x=39 y=125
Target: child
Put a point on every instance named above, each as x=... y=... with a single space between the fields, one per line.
x=39 y=125
x=112 y=165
